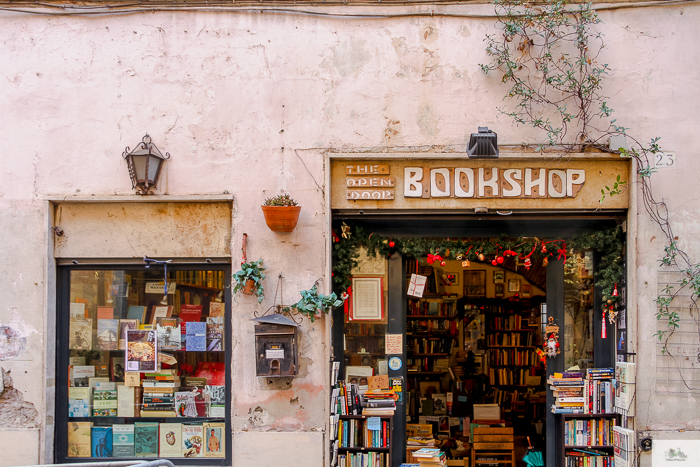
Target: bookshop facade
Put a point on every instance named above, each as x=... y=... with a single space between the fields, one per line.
x=474 y=300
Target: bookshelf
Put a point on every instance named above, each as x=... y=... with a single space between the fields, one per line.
x=586 y=432
x=360 y=446
x=431 y=333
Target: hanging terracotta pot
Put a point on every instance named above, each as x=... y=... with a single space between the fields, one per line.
x=281 y=218
x=249 y=288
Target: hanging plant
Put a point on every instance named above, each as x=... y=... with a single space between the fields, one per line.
x=281 y=213
x=249 y=279
x=312 y=303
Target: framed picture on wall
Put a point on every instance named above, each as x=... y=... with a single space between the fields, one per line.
x=499 y=277
x=513 y=285
x=367 y=299
x=475 y=284
x=500 y=289
x=526 y=291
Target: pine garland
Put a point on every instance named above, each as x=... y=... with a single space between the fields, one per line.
x=609 y=242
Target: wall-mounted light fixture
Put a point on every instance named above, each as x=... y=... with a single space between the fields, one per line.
x=483 y=145
x=145 y=163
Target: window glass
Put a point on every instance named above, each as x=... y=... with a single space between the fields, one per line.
x=145 y=366
x=578 y=310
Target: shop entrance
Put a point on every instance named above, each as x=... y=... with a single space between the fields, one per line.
x=471 y=353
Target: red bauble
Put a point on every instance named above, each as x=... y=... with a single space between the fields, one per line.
x=391 y=244
x=500 y=260
x=494 y=262
x=443 y=262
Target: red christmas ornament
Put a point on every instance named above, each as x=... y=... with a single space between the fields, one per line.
x=528 y=263
x=545 y=262
x=544 y=248
x=391 y=244
x=443 y=262
x=615 y=294
x=500 y=260
x=494 y=262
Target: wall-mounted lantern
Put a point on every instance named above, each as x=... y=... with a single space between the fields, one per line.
x=145 y=163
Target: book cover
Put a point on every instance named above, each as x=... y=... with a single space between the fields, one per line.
x=192 y=436
x=215 y=334
x=196 y=336
x=123 y=440
x=141 y=350
x=190 y=313
x=168 y=330
x=146 y=439
x=214 y=441
x=137 y=312
x=104 y=403
x=215 y=397
x=79 y=436
x=76 y=361
x=170 y=439
x=101 y=441
x=79 y=402
x=105 y=312
x=126 y=401
x=77 y=310
x=116 y=369
x=161 y=311
x=185 y=404
x=80 y=334
x=97 y=380
x=125 y=324
x=216 y=310
x=81 y=374
x=107 y=334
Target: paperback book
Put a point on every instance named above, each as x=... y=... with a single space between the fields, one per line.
x=168 y=333
x=80 y=334
x=80 y=375
x=216 y=310
x=79 y=402
x=185 y=404
x=79 y=438
x=123 y=440
x=101 y=441
x=192 y=436
x=104 y=403
x=215 y=334
x=125 y=324
x=146 y=439
x=170 y=439
x=196 y=337
x=214 y=441
x=141 y=350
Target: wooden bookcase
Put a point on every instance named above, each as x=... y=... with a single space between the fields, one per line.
x=347 y=451
x=608 y=448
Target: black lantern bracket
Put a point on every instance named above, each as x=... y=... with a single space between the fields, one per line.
x=145 y=163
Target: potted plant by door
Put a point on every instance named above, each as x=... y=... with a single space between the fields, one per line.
x=249 y=279
x=313 y=303
x=281 y=213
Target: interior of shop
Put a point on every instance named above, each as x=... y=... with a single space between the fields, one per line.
x=475 y=348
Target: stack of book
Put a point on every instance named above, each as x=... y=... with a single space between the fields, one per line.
x=430 y=457
x=378 y=402
x=568 y=391
x=159 y=394
x=598 y=391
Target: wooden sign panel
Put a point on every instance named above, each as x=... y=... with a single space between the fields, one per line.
x=371 y=194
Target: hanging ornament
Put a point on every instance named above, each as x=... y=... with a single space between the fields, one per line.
x=551 y=344
x=481 y=256
x=459 y=257
x=612 y=314
x=544 y=248
x=443 y=263
x=392 y=244
x=345 y=229
x=500 y=259
x=528 y=263
x=615 y=294
x=465 y=263
x=447 y=252
x=603 y=330
x=545 y=262
x=433 y=258
x=336 y=239
x=494 y=262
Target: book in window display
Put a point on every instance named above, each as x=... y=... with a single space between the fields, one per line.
x=123 y=440
x=105 y=312
x=216 y=401
x=107 y=334
x=170 y=439
x=80 y=375
x=77 y=310
x=164 y=311
x=168 y=333
x=192 y=441
x=101 y=441
x=215 y=334
x=104 y=403
x=196 y=337
x=141 y=351
x=124 y=325
x=146 y=439
x=214 y=439
x=80 y=334
x=79 y=402
x=216 y=310
x=185 y=404
x=137 y=312
x=79 y=439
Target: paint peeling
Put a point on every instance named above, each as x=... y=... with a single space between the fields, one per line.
x=12 y=343
x=15 y=412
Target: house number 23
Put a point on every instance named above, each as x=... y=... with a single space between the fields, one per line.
x=664 y=160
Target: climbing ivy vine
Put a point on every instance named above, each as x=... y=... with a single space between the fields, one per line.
x=548 y=54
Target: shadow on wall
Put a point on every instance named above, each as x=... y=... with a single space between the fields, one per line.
x=15 y=412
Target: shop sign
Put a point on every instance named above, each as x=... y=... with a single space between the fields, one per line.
x=492 y=182
x=369 y=182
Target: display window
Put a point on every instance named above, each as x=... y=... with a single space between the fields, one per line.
x=143 y=364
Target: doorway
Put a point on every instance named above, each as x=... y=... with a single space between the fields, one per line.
x=472 y=350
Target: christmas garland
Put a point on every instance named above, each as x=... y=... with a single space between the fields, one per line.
x=526 y=251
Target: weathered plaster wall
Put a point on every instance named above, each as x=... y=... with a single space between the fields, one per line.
x=236 y=98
